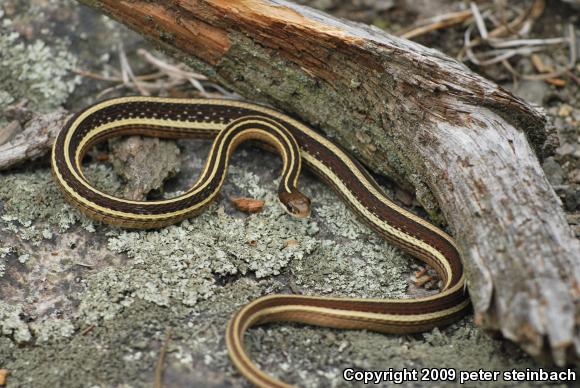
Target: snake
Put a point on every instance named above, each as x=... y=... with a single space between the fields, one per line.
x=230 y=123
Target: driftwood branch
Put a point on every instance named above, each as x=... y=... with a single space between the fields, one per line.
x=34 y=142
x=463 y=144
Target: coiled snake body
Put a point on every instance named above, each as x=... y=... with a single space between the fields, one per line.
x=229 y=123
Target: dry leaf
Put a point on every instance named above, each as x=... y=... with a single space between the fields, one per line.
x=247 y=205
x=421 y=272
x=422 y=280
x=540 y=65
x=557 y=81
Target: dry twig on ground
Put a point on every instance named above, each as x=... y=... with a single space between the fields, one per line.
x=504 y=32
x=166 y=77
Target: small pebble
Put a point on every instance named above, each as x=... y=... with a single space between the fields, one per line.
x=554 y=171
x=3 y=375
x=565 y=110
x=565 y=149
x=404 y=196
x=573 y=197
x=574 y=176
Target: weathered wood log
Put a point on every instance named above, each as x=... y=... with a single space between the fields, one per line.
x=465 y=145
x=35 y=141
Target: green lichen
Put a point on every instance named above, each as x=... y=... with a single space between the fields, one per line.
x=352 y=260
x=4 y=252
x=34 y=70
x=316 y=357
x=52 y=329
x=184 y=268
x=43 y=42
x=183 y=264
x=34 y=207
x=11 y=323
x=193 y=276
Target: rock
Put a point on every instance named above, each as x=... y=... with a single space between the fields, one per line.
x=573 y=3
x=404 y=196
x=565 y=149
x=428 y=8
x=554 y=171
x=533 y=91
x=574 y=176
x=145 y=163
x=573 y=197
x=565 y=110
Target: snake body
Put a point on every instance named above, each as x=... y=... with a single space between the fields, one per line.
x=229 y=123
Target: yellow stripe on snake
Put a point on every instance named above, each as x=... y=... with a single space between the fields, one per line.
x=229 y=123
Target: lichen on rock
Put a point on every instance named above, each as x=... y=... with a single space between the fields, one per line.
x=34 y=70
x=34 y=207
x=11 y=323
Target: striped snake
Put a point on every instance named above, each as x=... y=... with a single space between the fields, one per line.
x=229 y=123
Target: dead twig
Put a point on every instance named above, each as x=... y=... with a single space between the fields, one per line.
x=110 y=78
x=87 y=330
x=166 y=77
x=504 y=47
x=128 y=72
x=421 y=272
x=503 y=31
x=34 y=141
x=436 y=23
x=161 y=360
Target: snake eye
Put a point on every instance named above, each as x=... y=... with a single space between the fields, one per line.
x=296 y=203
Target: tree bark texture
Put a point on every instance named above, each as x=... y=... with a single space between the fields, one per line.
x=468 y=148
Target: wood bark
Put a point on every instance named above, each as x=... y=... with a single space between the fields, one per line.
x=465 y=146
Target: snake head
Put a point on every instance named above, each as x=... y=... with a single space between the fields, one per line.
x=295 y=203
